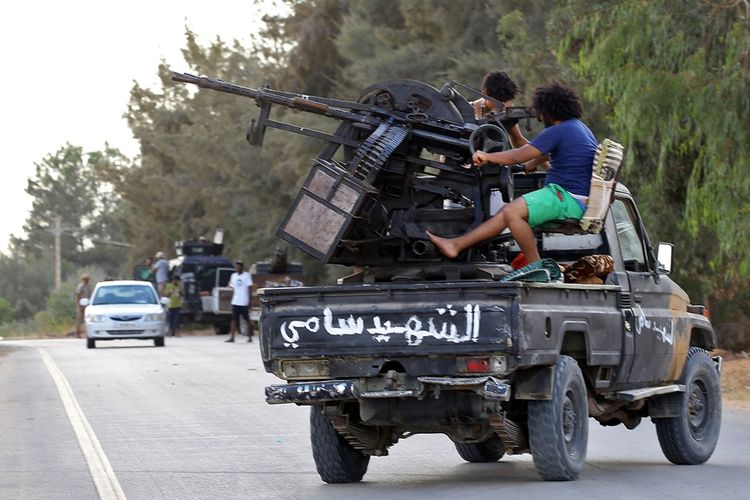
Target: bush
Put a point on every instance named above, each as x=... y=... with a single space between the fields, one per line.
x=6 y=311
x=734 y=335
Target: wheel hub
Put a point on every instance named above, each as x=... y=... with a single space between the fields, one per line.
x=697 y=407
x=570 y=419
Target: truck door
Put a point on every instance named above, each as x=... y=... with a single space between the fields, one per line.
x=221 y=294
x=652 y=320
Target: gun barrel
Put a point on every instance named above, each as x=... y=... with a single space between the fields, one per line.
x=215 y=84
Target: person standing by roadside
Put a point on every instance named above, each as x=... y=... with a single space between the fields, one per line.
x=145 y=271
x=174 y=292
x=161 y=271
x=240 y=283
x=83 y=291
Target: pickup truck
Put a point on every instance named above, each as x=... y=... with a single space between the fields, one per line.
x=413 y=342
x=500 y=367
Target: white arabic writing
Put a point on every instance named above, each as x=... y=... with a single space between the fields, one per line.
x=414 y=330
x=665 y=331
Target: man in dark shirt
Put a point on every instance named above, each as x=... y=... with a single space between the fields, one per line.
x=570 y=147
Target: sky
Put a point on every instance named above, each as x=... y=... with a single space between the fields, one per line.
x=68 y=67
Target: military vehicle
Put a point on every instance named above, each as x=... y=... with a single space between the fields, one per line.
x=205 y=274
x=277 y=271
x=501 y=361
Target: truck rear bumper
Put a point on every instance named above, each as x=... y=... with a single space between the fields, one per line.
x=340 y=390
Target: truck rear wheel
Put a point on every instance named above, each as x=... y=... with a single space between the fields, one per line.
x=490 y=450
x=335 y=459
x=690 y=437
x=558 y=428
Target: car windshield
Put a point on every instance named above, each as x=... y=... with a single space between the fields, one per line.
x=124 y=294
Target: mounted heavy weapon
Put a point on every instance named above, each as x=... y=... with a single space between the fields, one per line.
x=501 y=365
x=393 y=169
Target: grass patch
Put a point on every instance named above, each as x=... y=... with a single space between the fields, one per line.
x=21 y=330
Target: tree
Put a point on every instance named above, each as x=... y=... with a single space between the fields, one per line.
x=67 y=186
x=676 y=79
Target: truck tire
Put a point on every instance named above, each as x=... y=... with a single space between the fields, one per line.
x=558 y=428
x=490 y=450
x=335 y=459
x=690 y=437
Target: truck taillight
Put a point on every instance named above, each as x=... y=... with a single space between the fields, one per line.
x=485 y=364
x=305 y=369
x=477 y=365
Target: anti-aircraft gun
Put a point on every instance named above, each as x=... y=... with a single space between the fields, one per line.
x=392 y=170
x=417 y=343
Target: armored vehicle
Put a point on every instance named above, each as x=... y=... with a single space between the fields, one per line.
x=501 y=361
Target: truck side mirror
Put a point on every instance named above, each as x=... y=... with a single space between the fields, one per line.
x=83 y=302
x=664 y=256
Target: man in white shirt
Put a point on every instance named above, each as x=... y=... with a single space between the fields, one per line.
x=240 y=283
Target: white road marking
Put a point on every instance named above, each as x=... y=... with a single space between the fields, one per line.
x=101 y=470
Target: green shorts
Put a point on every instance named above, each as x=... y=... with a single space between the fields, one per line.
x=552 y=202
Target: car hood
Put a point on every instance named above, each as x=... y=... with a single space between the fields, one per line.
x=132 y=309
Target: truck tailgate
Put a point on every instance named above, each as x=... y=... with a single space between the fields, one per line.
x=382 y=320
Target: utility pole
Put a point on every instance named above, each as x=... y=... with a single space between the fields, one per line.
x=57 y=231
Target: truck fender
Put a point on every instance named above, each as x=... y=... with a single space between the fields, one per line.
x=535 y=383
x=703 y=337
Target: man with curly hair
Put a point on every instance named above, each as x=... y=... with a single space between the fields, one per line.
x=570 y=146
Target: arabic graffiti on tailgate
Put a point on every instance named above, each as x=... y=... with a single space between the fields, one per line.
x=448 y=324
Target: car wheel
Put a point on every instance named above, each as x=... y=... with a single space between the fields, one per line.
x=690 y=437
x=558 y=428
x=91 y=343
x=335 y=459
x=490 y=450
x=159 y=342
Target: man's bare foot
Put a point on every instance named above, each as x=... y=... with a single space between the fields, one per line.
x=444 y=245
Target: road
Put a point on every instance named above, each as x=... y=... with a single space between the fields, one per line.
x=189 y=421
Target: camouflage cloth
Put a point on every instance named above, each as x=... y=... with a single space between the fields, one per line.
x=541 y=271
x=588 y=267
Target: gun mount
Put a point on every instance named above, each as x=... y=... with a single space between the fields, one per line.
x=392 y=170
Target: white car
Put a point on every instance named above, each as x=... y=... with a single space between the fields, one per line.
x=124 y=310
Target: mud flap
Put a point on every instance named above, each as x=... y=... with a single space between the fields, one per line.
x=535 y=383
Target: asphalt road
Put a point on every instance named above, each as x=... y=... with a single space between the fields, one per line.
x=189 y=421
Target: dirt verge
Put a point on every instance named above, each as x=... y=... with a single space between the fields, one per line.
x=735 y=380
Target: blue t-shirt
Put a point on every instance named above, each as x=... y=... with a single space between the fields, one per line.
x=570 y=146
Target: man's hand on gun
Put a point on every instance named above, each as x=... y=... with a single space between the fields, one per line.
x=479 y=158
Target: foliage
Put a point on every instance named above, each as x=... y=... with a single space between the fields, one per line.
x=67 y=189
x=60 y=310
x=6 y=311
x=676 y=77
x=26 y=281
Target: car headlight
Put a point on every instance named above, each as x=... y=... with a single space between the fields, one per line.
x=95 y=318
x=154 y=317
